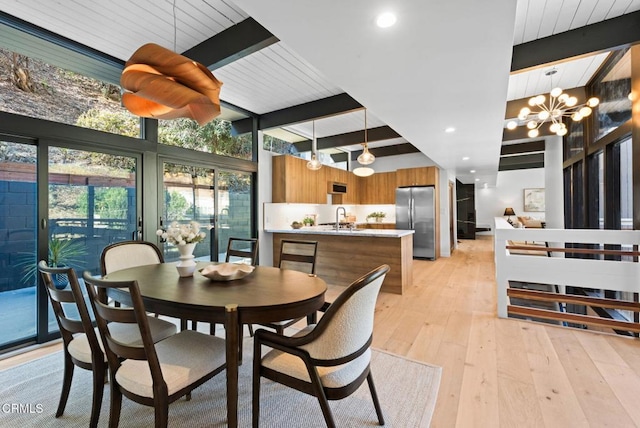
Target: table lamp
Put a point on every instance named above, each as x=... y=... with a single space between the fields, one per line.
x=509 y=212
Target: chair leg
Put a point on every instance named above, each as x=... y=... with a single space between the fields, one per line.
x=374 y=396
x=183 y=324
x=194 y=325
x=99 y=372
x=255 y=400
x=116 y=404
x=212 y=329
x=162 y=415
x=250 y=329
x=320 y=395
x=66 y=384
x=280 y=330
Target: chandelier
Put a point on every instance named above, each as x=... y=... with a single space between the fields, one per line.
x=560 y=105
x=314 y=164
x=366 y=157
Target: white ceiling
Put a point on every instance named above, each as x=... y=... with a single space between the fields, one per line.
x=445 y=63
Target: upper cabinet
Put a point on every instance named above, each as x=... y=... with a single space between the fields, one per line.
x=293 y=182
x=423 y=176
x=379 y=188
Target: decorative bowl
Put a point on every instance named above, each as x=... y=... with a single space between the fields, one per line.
x=226 y=271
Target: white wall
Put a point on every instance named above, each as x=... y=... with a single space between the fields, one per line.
x=264 y=195
x=510 y=185
x=391 y=163
x=508 y=192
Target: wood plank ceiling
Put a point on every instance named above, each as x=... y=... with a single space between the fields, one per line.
x=274 y=77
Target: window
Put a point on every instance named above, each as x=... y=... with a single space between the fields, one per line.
x=214 y=137
x=614 y=90
x=43 y=91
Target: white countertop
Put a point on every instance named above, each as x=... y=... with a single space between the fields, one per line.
x=376 y=233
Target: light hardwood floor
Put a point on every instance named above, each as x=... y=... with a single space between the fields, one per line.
x=497 y=372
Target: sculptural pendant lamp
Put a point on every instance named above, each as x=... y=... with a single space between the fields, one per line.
x=162 y=84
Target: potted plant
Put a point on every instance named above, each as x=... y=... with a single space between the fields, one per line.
x=308 y=221
x=62 y=252
x=377 y=216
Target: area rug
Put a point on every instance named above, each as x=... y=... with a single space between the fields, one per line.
x=407 y=390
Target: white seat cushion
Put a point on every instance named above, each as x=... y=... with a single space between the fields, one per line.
x=184 y=358
x=125 y=333
x=330 y=377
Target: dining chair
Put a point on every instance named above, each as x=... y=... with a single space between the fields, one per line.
x=128 y=254
x=151 y=374
x=81 y=343
x=238 y=250
x=328 y=360
x=301 y=256
x=243 y=249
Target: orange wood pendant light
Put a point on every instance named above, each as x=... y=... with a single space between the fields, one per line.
x=165 y=85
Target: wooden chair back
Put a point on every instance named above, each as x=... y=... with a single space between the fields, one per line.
x=243 y=248
x=135 y=314
x=298 y=255
x=74 y=317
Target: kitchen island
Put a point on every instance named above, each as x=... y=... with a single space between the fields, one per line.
x=344 y=255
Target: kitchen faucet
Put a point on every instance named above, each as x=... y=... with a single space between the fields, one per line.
x=344 y=213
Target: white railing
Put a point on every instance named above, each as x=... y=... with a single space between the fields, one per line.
x=558 y=270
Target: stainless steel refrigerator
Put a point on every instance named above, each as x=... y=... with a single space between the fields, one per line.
x=415 y=210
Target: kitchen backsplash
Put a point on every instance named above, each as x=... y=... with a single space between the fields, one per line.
x=279 y=216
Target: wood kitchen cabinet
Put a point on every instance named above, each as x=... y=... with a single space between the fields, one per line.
x=337 y=175
x=423 y=176
x=379 y=188
x=293 y=182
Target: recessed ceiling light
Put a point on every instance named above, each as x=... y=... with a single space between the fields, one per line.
x=465 y=158
x=450 y=129
x=386 y=19
x=473 y=171
x=477 y=179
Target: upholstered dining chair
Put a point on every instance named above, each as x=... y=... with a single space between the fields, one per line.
x=128 y=254
x=151 y=374
x=328 y=360
x=81 y=343
x=296 y=255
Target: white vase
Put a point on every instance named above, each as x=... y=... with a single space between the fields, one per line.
x=186 y=266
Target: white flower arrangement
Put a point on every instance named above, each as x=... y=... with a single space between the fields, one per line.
x=180 y=234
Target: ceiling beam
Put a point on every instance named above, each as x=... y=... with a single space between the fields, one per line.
x=509 y=163
x=516 y=149
x=330 y=106
x=394 y=150
x=230 y=45
x=340 y=157
x=605 y=35
x=349 y=138
x=520 y=133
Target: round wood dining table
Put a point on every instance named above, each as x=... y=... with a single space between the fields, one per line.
x=266 y=295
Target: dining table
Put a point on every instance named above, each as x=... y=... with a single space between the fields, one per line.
x=267 y=294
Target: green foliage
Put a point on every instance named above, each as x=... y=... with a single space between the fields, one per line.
x=109 y=202
x=377 y=214
x=62 y=252
x=177 y=206
x=214 y=137
x=118 y=122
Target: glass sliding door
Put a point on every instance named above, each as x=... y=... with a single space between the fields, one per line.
x=92 y=202
x=234 y=208
x=18 y=245
x=188 y=195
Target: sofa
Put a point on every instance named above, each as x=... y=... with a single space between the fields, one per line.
x=530 y=222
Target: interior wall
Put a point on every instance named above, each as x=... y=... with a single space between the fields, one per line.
x=264 y=195
x=508 y=192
